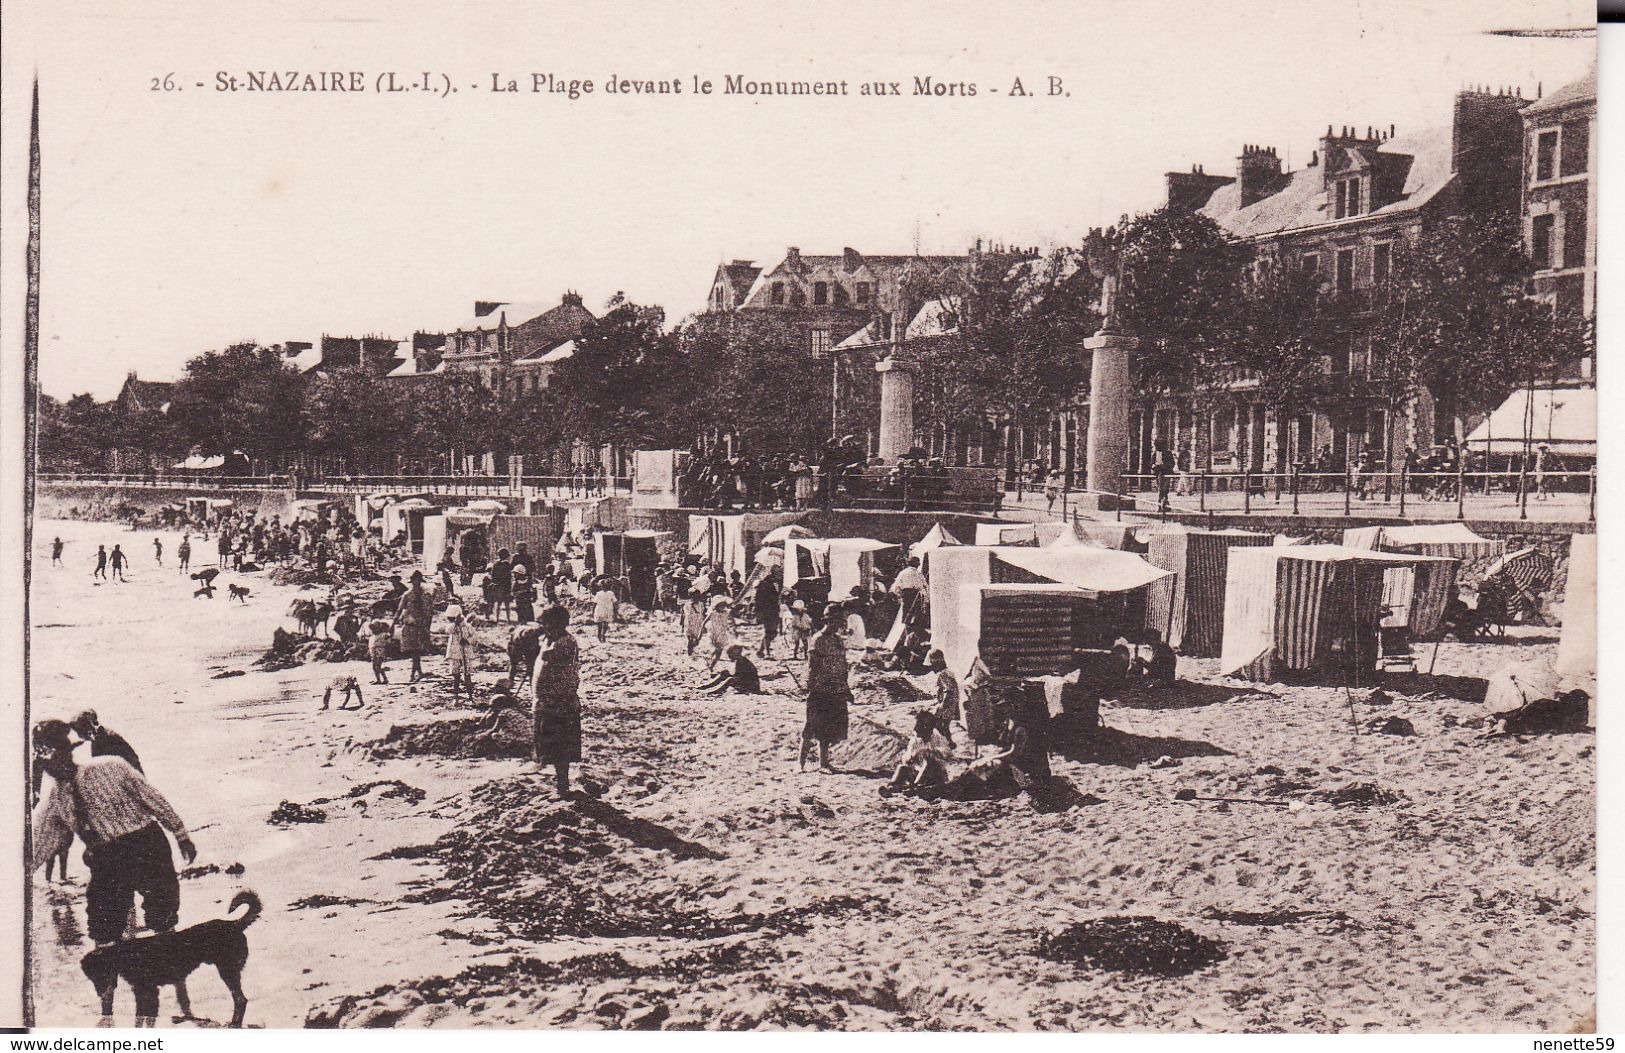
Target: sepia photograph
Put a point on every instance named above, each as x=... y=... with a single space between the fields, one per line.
x=548 y=517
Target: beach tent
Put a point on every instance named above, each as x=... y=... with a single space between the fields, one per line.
x=1307 y=610
x=1006 y=534
x=409 y=516
x=309 y=508
x=729 y=541
x=779 y=535
x=934 y=538
x=537 y=532
x=1123 y=537
x=848 y=562
x=631 y=554
x=432 y=540
x=1455 y=540
x=594 y=513
x=1577 y=647
x=1109 y=597
x=1189 y=610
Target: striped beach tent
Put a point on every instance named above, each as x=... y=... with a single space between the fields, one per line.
x=1188 y=609
x=1529 y=569
x=1306 y=610
x=1104 y=594
x=1455 y=540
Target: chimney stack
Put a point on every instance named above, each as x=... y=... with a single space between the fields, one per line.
x=1258 y=171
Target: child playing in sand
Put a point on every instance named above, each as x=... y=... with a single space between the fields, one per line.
x=348 y=686
x=799 y=626
x=603 y=608
x=488 y=596
x=459 y=651
x=719 y=629
x=744 y=678
x=378 y=650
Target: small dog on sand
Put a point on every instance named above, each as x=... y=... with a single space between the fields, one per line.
x=237 y=592
x=168 y=958
x=205 y=593
x=347 y=686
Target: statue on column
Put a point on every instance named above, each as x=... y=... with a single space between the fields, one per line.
x=1106 y=263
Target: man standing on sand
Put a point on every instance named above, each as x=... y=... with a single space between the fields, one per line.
x=56 y=552
x=117 y=560
x=158 y=550
x=557 y=687
x=121 y=818
x=184 y=553
x=101 y=563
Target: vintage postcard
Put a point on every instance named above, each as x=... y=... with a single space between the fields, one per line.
x=1031 y=516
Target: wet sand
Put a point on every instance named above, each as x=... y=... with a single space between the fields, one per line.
x=1351 y=882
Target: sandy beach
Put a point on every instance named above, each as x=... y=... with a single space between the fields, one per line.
x=1331 y=881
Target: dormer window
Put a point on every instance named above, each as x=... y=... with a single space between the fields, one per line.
x=820 y=293
x=778 y=294
x=1348 y=197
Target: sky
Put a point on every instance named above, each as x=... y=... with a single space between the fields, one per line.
x=180 y=221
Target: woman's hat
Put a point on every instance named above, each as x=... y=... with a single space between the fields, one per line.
x=417 y=575
x=719 y=602
x=799 y=605
x=735 y=650
x=454 y=611
x=503 y=684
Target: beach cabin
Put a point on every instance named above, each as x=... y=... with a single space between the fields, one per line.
x=841 y=564
x=1189 y=609
x=633 y=555
x=730 y=541
x=935 y=538
x=1577 y=647
x=408 y=517
x=1022 y=610
x=1312 y=612
x=208 y=509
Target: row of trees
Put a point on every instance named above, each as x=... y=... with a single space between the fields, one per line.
x=1453 y=317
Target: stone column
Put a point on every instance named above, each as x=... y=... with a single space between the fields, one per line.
x=896 y=406
x=1109 y=389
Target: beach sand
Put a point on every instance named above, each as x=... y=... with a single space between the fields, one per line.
x=1370 y=882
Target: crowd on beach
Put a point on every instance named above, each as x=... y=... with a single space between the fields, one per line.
x=727 y=622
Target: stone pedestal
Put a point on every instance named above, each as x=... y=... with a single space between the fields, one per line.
x=1108 y=439
x=896 y=406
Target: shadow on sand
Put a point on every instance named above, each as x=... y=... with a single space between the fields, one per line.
x=1125 y=749
x=1188 y=694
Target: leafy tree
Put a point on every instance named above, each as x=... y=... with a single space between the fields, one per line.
x=747 y=374
x=617 y=387
x=1277 y=337
x=241 y=398
x=357 y=417
x=1014 y=352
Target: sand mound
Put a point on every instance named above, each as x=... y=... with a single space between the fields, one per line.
x=288 y=650
x=290 y=812
x=1140 y=946
x=870 y=747
x=455 y=737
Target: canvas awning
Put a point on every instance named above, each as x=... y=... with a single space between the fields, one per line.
x=779 y=535
x=1564 y=419
x=196 y=463
x=1429 y=539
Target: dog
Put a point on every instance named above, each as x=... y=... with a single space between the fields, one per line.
x=309 y=614
x=168 y=958
x=237 y=592
x=205 y=593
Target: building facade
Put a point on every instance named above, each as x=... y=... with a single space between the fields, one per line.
x=1559 y=191
x=1344 y=217
x=510 y=347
